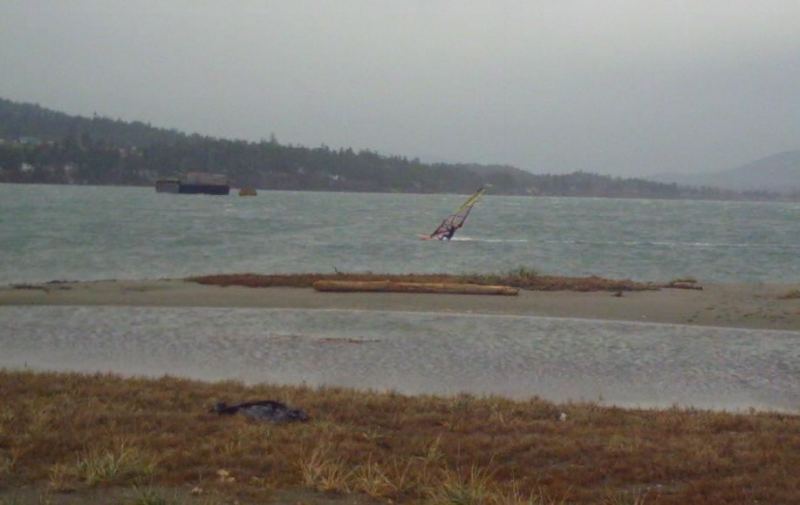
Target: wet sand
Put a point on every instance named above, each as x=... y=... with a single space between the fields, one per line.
x=726 y=305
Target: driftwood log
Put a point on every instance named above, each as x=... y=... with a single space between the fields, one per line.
x=452 y=288
x=683 y=285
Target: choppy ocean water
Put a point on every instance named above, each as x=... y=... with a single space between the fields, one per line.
x=89 y=233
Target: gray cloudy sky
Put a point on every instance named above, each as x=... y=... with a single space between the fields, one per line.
x=628 y=88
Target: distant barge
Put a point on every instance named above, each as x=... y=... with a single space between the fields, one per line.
x=195 y=183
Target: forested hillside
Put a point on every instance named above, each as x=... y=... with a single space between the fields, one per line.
x=43 y=146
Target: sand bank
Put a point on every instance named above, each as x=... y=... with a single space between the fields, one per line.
x=729 y=305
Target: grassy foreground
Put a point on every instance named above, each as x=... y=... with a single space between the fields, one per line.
x=69 y=438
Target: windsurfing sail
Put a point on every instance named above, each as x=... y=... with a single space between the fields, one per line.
x=454 y=221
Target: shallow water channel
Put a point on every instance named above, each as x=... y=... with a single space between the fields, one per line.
x=621 y=363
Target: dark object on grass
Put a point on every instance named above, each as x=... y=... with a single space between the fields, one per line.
x=266 y=410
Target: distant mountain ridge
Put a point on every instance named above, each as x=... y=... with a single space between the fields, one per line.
x=778 y=173
x=41 y=145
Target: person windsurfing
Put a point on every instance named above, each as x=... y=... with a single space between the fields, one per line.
x=454 y=222
x=445 y=231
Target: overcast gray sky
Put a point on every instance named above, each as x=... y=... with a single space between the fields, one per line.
x=626 y=88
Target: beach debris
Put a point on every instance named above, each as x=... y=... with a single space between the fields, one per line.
x=688 y=283
x=388 y=286
x=264 y=410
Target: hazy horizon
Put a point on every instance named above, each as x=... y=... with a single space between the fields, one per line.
x=620 y=88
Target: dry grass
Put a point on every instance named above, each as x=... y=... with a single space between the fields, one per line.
x=73 y=432
x=794 y=294
x=120 y=464
x=521 y=278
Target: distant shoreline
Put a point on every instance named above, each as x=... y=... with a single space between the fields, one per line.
x=754 y=306
x=772 y=199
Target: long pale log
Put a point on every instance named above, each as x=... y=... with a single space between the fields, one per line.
x=414 y=287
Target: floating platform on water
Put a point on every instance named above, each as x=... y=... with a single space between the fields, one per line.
x=195 y=183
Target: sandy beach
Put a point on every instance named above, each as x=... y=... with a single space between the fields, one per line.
x=761 y=306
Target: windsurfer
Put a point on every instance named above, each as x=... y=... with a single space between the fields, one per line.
x=453 y=222
x=449 y=232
